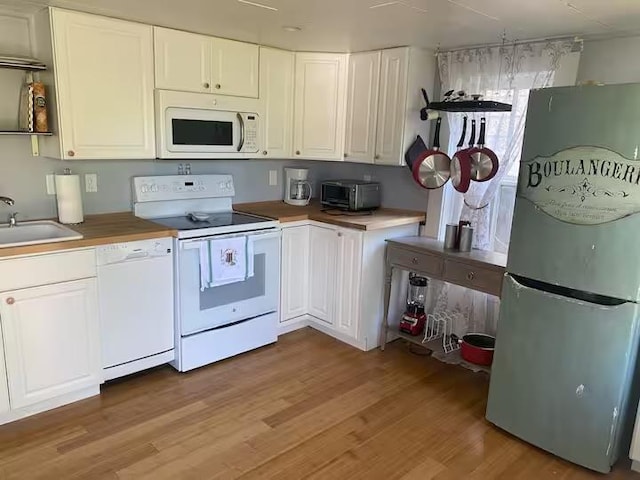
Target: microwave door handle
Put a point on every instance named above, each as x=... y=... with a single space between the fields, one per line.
x=241 y=121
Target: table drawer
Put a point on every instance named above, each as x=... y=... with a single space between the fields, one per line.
x=420 y=262
x=476 y=278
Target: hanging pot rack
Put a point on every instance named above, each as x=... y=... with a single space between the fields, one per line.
x=475 y=105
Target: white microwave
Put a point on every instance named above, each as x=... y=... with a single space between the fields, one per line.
x=201 y=125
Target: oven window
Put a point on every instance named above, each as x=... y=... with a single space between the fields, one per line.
x=236 y=292
x=336 y=193
x=202 y=132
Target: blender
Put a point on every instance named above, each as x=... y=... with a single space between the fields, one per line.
x=414 y=318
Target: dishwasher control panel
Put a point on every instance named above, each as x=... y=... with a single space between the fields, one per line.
x=130 y=251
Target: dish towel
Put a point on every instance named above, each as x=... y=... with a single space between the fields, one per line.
x=228 y=260
x=205 y=265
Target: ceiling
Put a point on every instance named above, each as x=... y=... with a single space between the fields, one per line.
x=353 y=25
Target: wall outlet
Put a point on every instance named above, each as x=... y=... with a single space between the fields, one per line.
x=91 y=182
x=51 y=184
x=273 y=178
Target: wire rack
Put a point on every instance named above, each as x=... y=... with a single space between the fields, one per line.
x=442 y=324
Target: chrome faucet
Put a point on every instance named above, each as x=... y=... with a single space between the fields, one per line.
x=7 y=200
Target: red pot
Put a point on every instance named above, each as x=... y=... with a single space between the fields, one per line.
x=477 y=348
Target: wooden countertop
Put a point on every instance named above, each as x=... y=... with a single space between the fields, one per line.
x=377 y=220
x=100 y=229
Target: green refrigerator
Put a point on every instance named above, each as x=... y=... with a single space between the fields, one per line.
x=564 y=372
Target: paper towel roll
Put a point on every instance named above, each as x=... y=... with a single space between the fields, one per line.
x=69 y=199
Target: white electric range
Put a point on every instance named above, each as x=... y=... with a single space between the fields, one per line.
x=220 y=321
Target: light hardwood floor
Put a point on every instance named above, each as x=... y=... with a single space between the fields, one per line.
x=307 y=407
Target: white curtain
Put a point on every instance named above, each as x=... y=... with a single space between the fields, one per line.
x=505 y=74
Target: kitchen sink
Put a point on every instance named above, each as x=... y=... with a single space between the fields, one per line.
x=33 y=233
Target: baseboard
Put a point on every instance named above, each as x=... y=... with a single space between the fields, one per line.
x=40 y=407
x=138 y=365
x=635 y=466
x=293 y=324
x=328 y=330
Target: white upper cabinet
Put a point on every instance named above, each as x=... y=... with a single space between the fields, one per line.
x=52 y=340
x=362 y=107
x=182 y=60
x=320 y=104
x=276 y=97
x=103 y=71
x=391 y=106
x=234 y=68
x=403 y=72
x=197 y=63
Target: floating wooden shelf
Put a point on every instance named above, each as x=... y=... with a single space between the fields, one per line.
x=20 y=132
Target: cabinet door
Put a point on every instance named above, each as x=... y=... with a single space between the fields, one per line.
x=234 y=68
x=276 y=97
x=295 y=272
x=182 y=60
x=4 y=387
x=362 y=107
x=51 y=340
x=104 y=82
x=391 y=106
x=320 y=103
x=348 y=281
x=322 y=272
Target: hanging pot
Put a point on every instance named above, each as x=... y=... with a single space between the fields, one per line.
x=484 y=161
x=460 y=166
x=432 y=168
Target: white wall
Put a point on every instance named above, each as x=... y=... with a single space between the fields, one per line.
x=22 y=176
x=610 y=61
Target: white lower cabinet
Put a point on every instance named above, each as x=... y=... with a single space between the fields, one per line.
x=51 y=339
x=322 y=272
x=342 y=281
x=4 y=388
x=295 y=273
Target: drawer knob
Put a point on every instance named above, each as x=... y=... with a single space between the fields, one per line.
x=264 y=152
x=339 y=234
x=376 y=157
x=11 y=301
x=71 y=153
x=297 y=152
x=218 y=86
x=414 y=260
x=471 y=276
x=206 y=85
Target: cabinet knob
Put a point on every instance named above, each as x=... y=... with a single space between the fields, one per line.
x=11 y=301
x=206 y=85
x=264 y=152
x=471 y=276
x=218 y=86
x=339 y=234
x=71 y=153
x=297 y=152
x=376 y=157
x=346 y=155
x=414 y=260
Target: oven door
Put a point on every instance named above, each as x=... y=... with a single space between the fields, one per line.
x=219 y=306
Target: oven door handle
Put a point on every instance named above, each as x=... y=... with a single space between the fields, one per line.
x=254 y=237
x=241 y=121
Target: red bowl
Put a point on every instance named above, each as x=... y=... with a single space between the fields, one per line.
x=478 y=348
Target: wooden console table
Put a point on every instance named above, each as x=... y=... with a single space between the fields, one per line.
x=477 y=270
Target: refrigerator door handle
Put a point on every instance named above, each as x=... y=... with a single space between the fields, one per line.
x=567 y=292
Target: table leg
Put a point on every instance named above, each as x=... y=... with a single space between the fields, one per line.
x=388 y=276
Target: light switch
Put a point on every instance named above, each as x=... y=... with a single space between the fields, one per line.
x=273 y=178
x=91 y=182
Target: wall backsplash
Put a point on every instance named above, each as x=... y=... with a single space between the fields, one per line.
x=22 y=177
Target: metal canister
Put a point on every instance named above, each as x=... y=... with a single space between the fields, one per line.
x=466 y=238
x=451 y=236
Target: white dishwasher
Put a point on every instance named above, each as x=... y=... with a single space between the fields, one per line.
x=135 y=294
